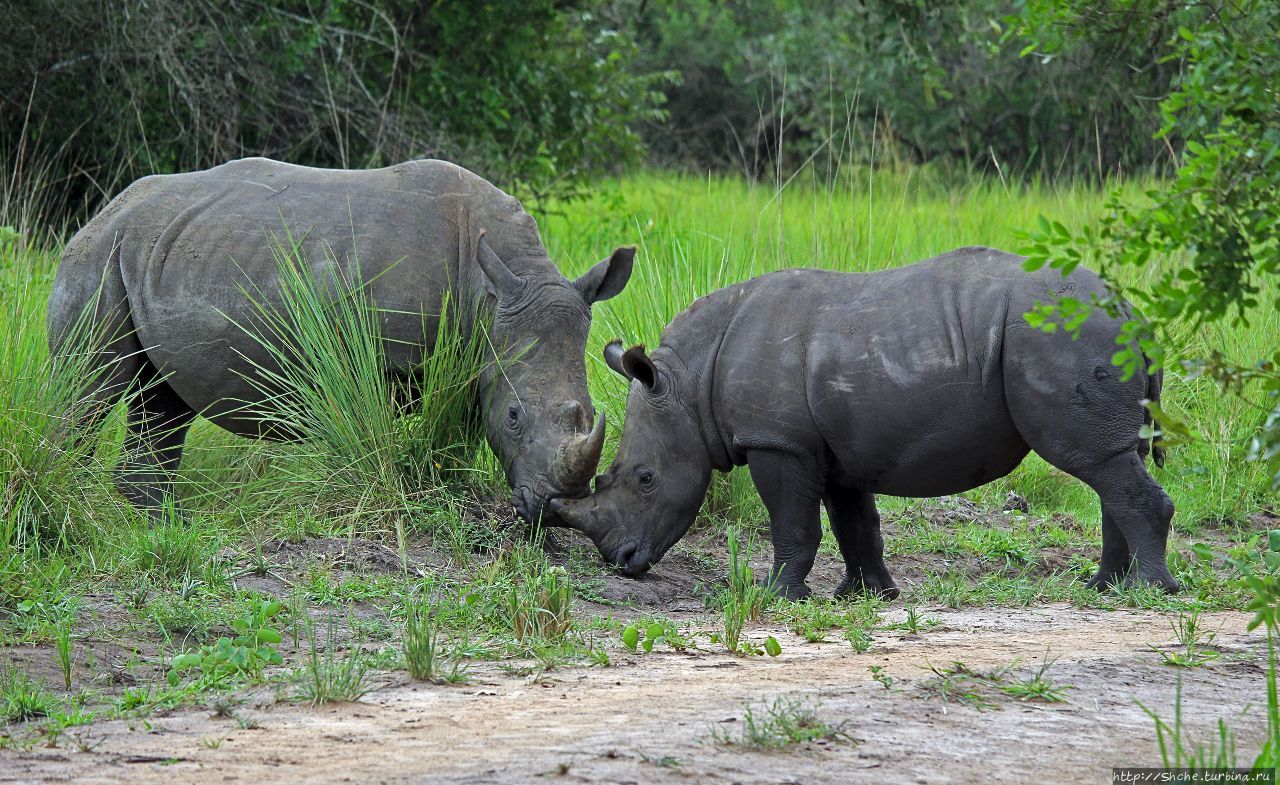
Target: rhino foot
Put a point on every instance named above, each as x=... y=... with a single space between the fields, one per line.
x=1160 y=577
x=1106 y=579
x=1113 y=579
x=878 y=586
x=787 y=591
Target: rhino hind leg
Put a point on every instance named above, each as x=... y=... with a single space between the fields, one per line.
x=856 y=525
x=158 y=421
x=1135 y=522
x=1117 y=560
x=791 y=490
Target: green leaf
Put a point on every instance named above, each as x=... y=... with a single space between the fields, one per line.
x=631 y=637
x=654 y=632
x=772 y=647
x=1273 y=540
x=268 y=636
x=184 y=661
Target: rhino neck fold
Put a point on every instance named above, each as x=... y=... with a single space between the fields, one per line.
x=712 y=436
x=695 y=336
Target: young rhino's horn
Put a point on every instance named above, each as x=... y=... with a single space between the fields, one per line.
x=570 y=512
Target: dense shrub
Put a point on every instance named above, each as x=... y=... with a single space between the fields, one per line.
x=933 y=79
x=536 y=95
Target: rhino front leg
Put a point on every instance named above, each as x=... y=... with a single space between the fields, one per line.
x=157 y=425
x=856 y=525
x=790 y=488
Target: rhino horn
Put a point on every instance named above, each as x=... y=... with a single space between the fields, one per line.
x=571 y=515
x=579 y=456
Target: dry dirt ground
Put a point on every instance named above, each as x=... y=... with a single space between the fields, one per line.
x=650 y=718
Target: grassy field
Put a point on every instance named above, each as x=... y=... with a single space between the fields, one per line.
x=80 y=573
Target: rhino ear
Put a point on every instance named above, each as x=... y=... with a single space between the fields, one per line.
x=498 y=278
x=637 y=365
x=607 y=278
x=613 y=358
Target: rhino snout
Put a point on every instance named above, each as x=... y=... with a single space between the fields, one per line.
x=633 y=561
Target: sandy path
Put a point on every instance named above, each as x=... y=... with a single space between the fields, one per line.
x=615 y=724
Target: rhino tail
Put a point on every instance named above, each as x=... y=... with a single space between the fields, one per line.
x=1155 y=381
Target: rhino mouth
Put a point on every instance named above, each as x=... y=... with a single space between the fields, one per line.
x=633 y=561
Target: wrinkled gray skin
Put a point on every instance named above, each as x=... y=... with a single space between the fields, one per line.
x=165 y=266
x=833 y=387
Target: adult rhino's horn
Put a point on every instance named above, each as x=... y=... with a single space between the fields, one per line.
x=579 y=456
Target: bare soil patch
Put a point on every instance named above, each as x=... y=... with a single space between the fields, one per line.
x=650 y=718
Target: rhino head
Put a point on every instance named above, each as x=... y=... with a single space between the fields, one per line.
x=539 y=418
x=651 y=494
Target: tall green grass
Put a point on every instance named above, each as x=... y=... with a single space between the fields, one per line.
x=50 y=482
x=698 y=234
x=362 y=451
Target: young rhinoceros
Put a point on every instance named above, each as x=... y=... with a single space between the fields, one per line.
x=832 y=387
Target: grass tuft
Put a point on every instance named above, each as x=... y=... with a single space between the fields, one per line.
x=426 y=653
x=328 y=677
x=367 y=443
x=23 y=698
x=779 y=724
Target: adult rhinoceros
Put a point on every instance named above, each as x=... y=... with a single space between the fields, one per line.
x=165 y=268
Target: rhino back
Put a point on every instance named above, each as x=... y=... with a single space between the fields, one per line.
x=190 y=246
x=886 y=372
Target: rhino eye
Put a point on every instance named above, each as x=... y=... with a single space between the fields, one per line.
x=646 y=478
x=513 y=415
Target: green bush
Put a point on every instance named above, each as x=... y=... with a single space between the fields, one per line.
x=534 y=95
x=763 y=80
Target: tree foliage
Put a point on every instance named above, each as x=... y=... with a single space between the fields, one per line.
x=924 y=79
x=536 y=95
x=1218 y=212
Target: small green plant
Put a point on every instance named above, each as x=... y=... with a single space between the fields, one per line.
x=642 y=636
x=958 y=683
x=1038 y=687
x=170 y=548
x=134 y=699
x=812 y=620
x=542 y=605
x=914 y=622
x=224 y=706
x=328 y=677
x=424 y=649
x=878 y=675
x=858 y=638
x=1194 y=640
x=665 y=762
x=778 y=724
x=63 y=647
x=178 y=617
x=22 y=698
x=742 y=601
x=72 y=716
x=248 y=653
